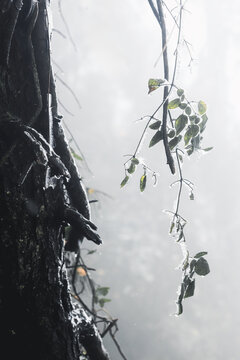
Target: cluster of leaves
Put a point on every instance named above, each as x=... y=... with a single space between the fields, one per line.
x=84 y=278
x=184 y=133
x=177 y=226
x=191 y=266
x=188 y=126
x=99 y=296
x=131 y=169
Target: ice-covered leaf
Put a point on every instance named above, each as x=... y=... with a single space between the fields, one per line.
x=135 y=161
x=180 y=92
x=191 y=132
x=200 y=254
x=154 y=84
x=171 y=227
x=131 y=168
x=180 y=236
x=180 y=123
x=190 y=150
x=182 y=106
x=171 y=133
x=202 y=267
x=202 y=124
x=158 y=136
x=174 y=103
x=125 y=180
x=156 y=125
x=90 y=252
x=208 y=149
x=174 y=142
x=179 y=309
x=190 y=289
x=192 y=265
x=202 y=107
x=180 y=157
x=143 y=181
x=188 y=110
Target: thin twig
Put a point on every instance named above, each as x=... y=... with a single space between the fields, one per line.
x=77 y=146
x=180 y=183
x=66 y=24
x=162 y=25
x=70 y=89
x=117 y=344
x=64 y=107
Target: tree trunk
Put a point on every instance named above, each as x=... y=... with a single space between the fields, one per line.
x=40 y=193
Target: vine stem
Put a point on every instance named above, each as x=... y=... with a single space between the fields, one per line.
x=161 y=21
x=180 y=183
x=146 y=126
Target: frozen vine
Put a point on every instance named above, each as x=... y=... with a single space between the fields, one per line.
x=179 y=124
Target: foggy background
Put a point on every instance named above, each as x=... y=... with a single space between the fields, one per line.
x=116 y=44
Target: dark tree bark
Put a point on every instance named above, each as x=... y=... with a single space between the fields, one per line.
x=40 y=193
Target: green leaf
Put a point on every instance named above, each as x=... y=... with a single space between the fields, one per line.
x=171 y=227
x=158 y=136
x=143 y=181
x=102 y=290
x=90 y=252
x=180 y=123
x=102 y=301
x=156 y=125
x=125 y=180
x=190 y=289
x=190 y=151
x=76 y=156
x=174 y=142
x=181 y=292
x=207 y=149
x=180 y=158
x=196 y=142
x=200 y=254
x=131 y=168
x=192 y=265
x=181 y=235
x=188 y=110
x=202 y=107
x=202 y=124
x=171 y=133
x=202 y=267
x=135 y=161
x=180 y=92
x=179 y=309
x=182 y=106
x=174 y=103
x=191 y=132
x=194 y=119
x=154 y=84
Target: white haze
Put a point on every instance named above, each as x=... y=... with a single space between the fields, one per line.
x=118 y=43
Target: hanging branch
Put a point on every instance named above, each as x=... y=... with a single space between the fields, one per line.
x=192 y=121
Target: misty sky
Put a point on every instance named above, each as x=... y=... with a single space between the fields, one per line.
x=118 y=44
